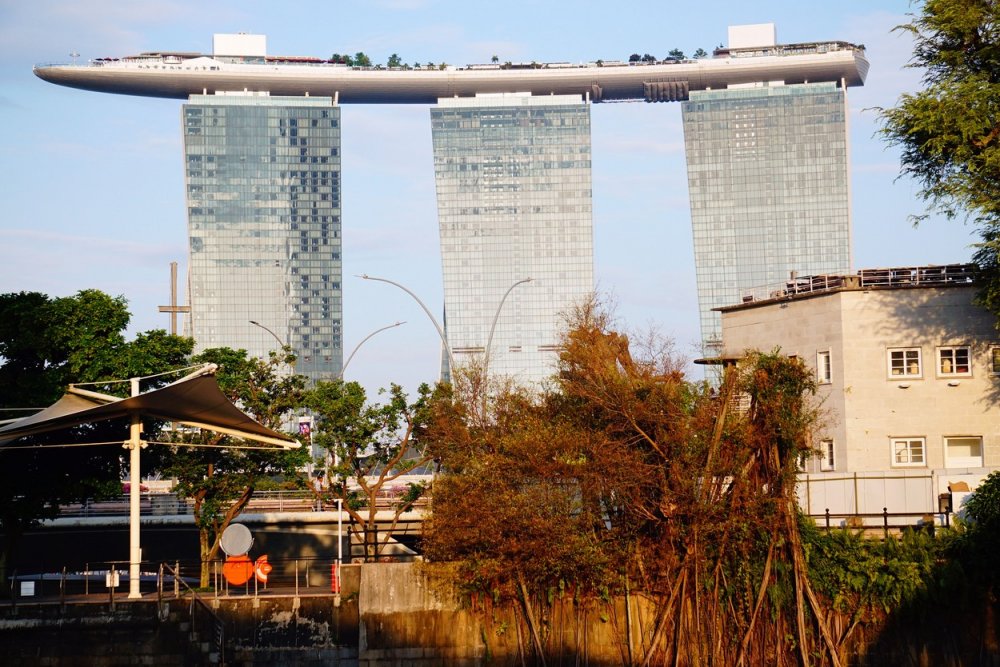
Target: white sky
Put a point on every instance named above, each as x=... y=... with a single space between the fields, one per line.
x=93 y=183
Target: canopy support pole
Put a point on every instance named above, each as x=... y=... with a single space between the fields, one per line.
x=135 y=479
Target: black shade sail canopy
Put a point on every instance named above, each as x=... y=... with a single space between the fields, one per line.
x=192 y=401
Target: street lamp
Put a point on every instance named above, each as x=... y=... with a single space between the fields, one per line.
x=444 y=340
x=493 y=327
x=363 y=341
x=281 y=345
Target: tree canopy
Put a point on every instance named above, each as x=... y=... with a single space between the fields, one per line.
x=949 y=131
x=370 y=446
x=628 y=477
x=45 y=344
x=217 y=474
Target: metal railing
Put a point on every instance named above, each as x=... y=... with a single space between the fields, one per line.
x=108 y=581
x=156 y=504
x=905 y=276
x=885 y=521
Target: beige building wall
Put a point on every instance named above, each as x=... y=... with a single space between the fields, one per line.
x=868 y=407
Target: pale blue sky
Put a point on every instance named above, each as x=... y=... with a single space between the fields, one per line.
x=93 y=184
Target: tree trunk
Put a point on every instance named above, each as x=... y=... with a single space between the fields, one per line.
x=532 y=624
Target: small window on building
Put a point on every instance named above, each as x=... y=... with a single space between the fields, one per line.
x=908 y=452
x=824 y=369
x=904 y=362
x=827 y=460
x=995 y=360
x=963 y=452
x=802 y=461
x=954 y=361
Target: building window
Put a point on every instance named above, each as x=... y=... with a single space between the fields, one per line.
x=908 y=452
x=995 y=360
x=827 y=461
x=904 y=362
x=824 y=369
x=963 y=452
x=954 y=361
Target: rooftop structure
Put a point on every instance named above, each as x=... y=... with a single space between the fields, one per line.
x=246 y=68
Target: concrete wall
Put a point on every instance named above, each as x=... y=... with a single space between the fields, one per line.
x=390 y=614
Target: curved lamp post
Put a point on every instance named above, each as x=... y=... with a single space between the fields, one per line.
x=363 y=341
x=281 y=344
x=493 y=327
x=285 y=349
x=444 y=340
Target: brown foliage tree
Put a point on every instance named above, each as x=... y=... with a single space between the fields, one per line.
x=629 y=478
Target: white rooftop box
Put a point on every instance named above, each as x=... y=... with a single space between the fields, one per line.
x=757 y=34
x=241 y=44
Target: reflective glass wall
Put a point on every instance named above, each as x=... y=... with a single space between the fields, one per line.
x=768 y=180
x=514 y=201
x=263 y=195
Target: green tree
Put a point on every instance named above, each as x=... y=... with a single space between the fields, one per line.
x=948 y=131
x=372 y=446
x=676 y=54
x=495 y=59
x=45 y=344
x=220 y=473
x=700 y=53
x=394 y=61
x=362 y=60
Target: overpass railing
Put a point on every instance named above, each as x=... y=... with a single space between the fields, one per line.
x=158 y=504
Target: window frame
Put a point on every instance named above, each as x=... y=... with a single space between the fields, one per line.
x=904 y=375
x=909 y=440
x=953 y=349
x=995 y=359
x=828 y=457
x=948 y=458
x=824 y=367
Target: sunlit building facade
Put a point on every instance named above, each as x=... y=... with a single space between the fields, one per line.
x=769 y=189
x=264 y=219
x=513 y=177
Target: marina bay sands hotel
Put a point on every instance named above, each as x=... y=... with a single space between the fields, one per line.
x=765 y=133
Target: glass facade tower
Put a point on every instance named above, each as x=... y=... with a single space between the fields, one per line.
x=769 y=189
x=263 y=196
x=514 y=201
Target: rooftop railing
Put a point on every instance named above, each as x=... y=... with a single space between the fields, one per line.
x=896 y=277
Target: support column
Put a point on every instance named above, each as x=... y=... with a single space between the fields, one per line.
x=135 y=551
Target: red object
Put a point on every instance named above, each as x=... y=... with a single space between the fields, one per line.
x=335 y=578
x=237 y=569
x=261 y=569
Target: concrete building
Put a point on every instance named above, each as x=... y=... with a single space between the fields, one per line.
x=264 y=218
x=514 y=202
x=908 y=370
x=768 y=181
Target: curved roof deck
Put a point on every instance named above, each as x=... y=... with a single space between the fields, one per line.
x=181 y=75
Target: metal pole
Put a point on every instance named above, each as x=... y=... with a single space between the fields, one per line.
x=363 y=341
x=340 y=530
x=444 y=339
x=493 y=327
x=135 y=550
